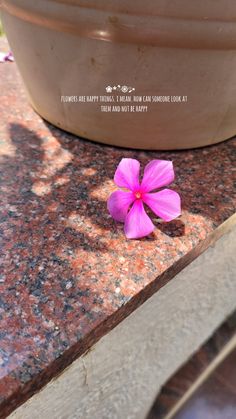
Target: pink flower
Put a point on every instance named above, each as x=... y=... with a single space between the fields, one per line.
x=6 y=56
x=128 y=206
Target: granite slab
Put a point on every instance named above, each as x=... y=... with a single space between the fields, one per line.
x=68 y=275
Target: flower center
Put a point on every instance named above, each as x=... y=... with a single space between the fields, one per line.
x=138 y=195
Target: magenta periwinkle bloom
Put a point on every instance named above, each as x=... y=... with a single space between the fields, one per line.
x=128 y=206
x=6 y=56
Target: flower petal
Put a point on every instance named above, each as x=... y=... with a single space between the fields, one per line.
x=9 y=57
x=166 y=204
x=119 y=203
x=6 y=56
x=157 y=173
x=2 y=57
x=127 y=174
x=137 y=222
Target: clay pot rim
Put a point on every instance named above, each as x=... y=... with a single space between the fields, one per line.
x=149 y=30
x=181 y=12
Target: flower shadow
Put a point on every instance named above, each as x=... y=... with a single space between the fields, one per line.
x=175 y=228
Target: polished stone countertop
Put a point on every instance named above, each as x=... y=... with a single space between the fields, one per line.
x=68 y=275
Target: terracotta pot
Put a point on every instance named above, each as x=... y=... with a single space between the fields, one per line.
x=158 y=47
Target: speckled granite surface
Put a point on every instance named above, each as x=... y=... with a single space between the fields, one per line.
x=68 y=274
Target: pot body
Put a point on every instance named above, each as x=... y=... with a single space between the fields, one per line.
x=179 y=56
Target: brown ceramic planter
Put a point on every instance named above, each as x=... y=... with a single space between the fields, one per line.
x=159 y=47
